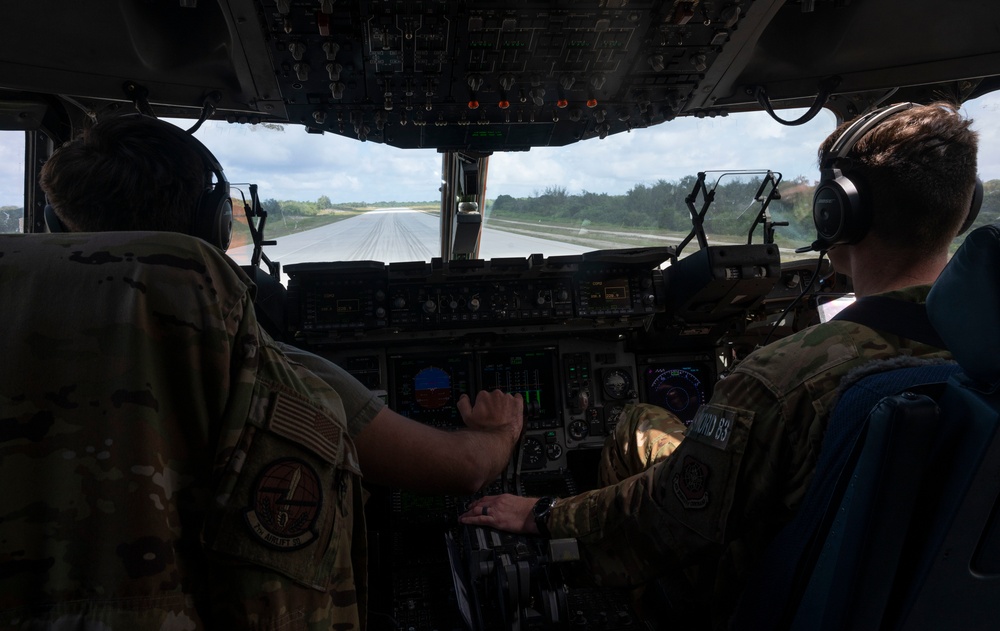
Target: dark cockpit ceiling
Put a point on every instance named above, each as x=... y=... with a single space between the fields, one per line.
x=489 y=76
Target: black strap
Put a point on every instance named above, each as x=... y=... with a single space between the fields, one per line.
x=903 y=318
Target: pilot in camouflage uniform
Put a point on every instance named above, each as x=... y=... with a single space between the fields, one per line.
x=165 y=466
x=725 y=491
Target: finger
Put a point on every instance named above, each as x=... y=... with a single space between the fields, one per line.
x=474 y=520
x=464 y=405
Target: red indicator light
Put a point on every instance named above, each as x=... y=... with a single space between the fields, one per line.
x=562 y=103
x=473 y=105
x=591 y=102
x=504 y=104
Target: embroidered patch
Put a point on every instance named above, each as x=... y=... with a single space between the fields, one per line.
x=691 y=483
x=713 y=425
x=285 y=504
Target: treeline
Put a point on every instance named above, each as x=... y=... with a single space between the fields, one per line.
x=10 y=215
x=290 y=208
x=662 y=206
x=10 y=218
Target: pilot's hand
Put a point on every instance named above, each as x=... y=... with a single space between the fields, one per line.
x=511 y=513
x=494 y=411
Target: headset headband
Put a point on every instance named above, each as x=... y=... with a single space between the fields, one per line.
x=856 y=130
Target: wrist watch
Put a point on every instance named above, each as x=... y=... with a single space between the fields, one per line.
x=541 y=511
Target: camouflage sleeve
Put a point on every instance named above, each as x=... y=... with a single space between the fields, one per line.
x=645 y=435
x=288 y=521
x=360 y=404
x=687 y=505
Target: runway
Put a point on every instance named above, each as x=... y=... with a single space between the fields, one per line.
x=394 y=235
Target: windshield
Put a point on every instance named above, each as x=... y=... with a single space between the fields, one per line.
x=330 y=198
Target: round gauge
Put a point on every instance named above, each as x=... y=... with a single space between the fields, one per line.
x=679 y=391
x=553 y=451
x=617 y=383
x=533 y=452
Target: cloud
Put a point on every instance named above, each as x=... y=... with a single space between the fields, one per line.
x=293 y=164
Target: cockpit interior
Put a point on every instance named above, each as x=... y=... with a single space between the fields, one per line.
x=580 y=335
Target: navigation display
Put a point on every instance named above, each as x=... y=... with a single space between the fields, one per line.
x=532 y=374
x=426 y=387
x=680 y=388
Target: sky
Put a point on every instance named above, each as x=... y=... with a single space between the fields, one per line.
x=294 y=165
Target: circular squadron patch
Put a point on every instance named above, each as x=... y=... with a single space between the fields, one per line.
x=285 y=503
x=691 y=483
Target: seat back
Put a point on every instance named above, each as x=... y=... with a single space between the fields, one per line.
x=121 y=354
x=955 y=575
x=899 y=529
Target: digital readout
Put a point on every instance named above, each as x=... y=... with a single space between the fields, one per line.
x=609 y=294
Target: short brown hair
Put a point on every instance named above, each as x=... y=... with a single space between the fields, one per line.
x=918 y=169
x=126 y=173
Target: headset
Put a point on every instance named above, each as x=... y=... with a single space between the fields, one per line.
x=213 y=216
x=840 y=210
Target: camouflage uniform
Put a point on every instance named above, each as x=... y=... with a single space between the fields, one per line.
x=736 y=478
x=164 y=465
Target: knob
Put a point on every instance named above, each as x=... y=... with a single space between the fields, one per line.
x=398 y=302
x=578 y=430
x=474 y=304
x=430 y=306
x=298 y=50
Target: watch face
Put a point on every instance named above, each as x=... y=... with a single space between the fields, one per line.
x=542 y=507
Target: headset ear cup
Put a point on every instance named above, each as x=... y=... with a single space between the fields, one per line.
x=52 y=221
x=225 y=228
x=214 y=216
x=977 y=203
x=838 y=211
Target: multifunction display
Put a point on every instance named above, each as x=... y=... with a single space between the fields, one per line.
x=680 y=388
x=530 y=373
x=427 y=387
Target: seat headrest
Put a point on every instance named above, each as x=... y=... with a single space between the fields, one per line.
x=964 y=305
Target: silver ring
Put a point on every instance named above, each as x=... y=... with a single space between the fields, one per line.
x=486 y=510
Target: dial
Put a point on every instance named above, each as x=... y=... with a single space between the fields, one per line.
x=534 y=452
x=553 y=451
x=617 y=384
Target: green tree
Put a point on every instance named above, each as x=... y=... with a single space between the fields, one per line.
x=10 y=218
x=323 y=203
x=273 y=208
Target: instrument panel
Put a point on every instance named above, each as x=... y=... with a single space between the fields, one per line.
x=580 y=338
x=331 y=303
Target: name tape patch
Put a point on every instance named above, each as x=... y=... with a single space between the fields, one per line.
x=713 y=425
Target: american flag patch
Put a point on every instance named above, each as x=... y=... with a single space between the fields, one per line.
x=300 y=422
